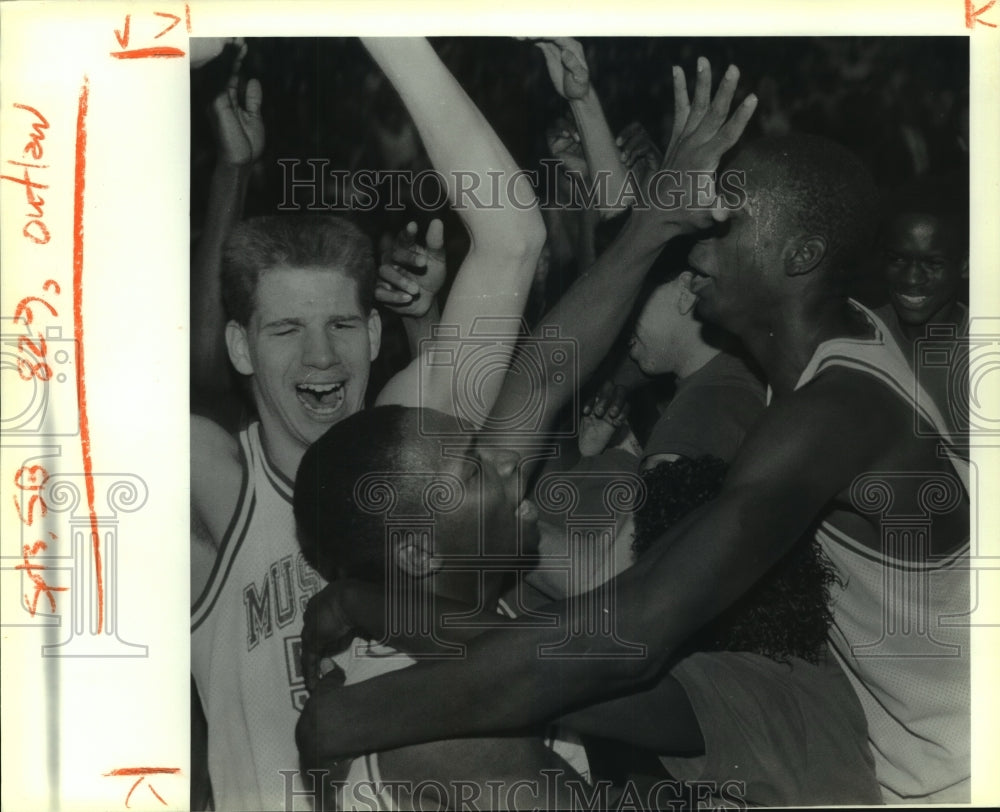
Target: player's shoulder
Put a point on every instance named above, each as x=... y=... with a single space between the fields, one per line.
x=217 y=472
x=839 y=408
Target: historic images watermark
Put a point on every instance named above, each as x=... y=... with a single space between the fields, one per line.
x=310 y=184
x=555 y=790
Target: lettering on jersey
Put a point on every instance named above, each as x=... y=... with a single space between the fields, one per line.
x=278 y=600
x=284 y=599
x=258 y=607
x=309 y=582
x=296 y=679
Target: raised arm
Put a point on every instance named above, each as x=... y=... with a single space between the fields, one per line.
x=774 y=492
x=506 y=234
x=239 y=137
x=593 y=310
x=571 y=77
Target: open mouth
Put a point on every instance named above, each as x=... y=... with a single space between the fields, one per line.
x=322 y=400
x=699 y=281
x=912 y=302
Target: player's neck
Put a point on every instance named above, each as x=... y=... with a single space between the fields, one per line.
x=283 y=454
x=784 y=344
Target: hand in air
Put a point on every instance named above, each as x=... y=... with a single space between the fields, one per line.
x=567 y=66
x=411 y=274
x=564 y=143
x=602 y=416
x=239 y=130
x=703 y=132
x=639 y=153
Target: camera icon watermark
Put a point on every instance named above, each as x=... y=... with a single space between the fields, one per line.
x=477 y=364
x=958 y=374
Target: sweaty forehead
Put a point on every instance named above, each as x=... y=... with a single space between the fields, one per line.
x=314 y=288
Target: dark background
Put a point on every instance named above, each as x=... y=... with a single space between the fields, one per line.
x=901 y=103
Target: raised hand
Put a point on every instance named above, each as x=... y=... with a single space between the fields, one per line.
x=703 y=132
x=563 y=140
x=640 y=155
x=411 y=274
x=567 y=66
x=239 y=130
x=602 y=416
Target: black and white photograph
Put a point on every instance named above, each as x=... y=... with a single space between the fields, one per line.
x=605 y=391
x=424 y=406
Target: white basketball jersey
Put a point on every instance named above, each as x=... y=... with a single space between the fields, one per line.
x=245 y=642
x=900 y=628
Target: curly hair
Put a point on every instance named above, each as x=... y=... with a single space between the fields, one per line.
x=786 y=613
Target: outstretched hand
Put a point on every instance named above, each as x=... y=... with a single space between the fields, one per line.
x=411 y=274
x=567 y=66
x=239 y=130
x=703 y=131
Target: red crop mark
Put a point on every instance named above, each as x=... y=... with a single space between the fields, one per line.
x=79 y=178
x=187 y=17
x=143 y=772
x=173 y=17
x=972 y=14
x=146 y=53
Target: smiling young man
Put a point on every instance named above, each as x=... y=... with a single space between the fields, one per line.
x=299 y=295
x=924 y=254
x=834 y=447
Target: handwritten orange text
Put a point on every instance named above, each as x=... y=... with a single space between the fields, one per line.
x=124 y=37
x=35 y=228
x=34 y=573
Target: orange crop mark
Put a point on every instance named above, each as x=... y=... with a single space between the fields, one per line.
x=972 y=14
x=161 y=52
x=79 y=178
x=147 y=53
x=143 y=772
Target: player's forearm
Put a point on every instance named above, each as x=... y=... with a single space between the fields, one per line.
x=512 y=679
x=591 y=314
x=366 y=607
x=464 y=149
x=606 y=168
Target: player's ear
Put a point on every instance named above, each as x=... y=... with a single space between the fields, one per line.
x=803 y=254
x=686 y=300
x=374 y=334
x=239 y=348
x=413 y=555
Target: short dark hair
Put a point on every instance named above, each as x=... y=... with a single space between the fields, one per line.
x=336 y=533
x=821 y=187
x=944 y=197
x=259 y=244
